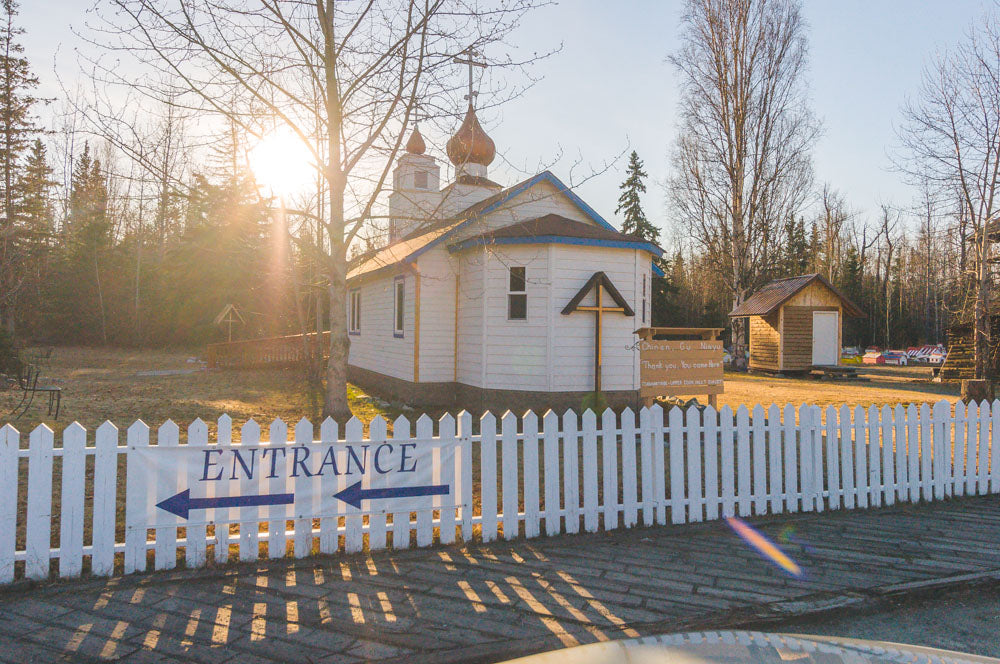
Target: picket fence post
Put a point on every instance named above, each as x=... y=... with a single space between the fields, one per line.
x=571 y=471
x=693 y=436
x=196 y=549
x=532 y=512
x=590 y=501
x=39 y=514
x=136 y=497
x=10 y=442
x=223 y=438
x=676 y=442
x=629 y=475
x=444 y=473
x=743 y=456
x=425 y=520
x=728 y=444
x=509 y=478
x=710 y=427
x=377 y=433
x=775 y=482
x=550 y=457
x=71 y=515
x=609 y=447
x=400 y=520
x=465 y=472
x=488 y=475
x=303 y=523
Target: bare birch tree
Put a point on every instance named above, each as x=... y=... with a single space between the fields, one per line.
x=259 y=65
x=951 y=142
x=742 y=161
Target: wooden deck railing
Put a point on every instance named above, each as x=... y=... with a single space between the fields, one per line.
x=249 y=353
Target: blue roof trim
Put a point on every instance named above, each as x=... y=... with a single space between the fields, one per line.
x=657 y=272
x=558 y=239
x=544 y=176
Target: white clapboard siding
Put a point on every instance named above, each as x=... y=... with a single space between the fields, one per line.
x=698 y=464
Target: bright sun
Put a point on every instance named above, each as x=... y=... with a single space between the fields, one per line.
x=282 y=163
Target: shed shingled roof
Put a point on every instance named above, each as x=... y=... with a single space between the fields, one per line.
x=773 y=295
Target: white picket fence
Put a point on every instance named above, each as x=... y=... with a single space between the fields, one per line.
x=573 y=473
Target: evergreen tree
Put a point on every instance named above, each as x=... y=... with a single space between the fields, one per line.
x=635 y=222
x=35 y=185
x=16 y=130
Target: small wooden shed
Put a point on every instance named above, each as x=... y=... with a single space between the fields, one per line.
x=796 y=323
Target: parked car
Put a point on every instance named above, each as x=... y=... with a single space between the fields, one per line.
x=873 y=357
x=895 y=357
x=850 y=355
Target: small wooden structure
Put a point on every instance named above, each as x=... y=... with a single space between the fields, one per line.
x=960 y=363
x=796 y=323
x=676 y=361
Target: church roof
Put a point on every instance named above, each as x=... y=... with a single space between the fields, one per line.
x=555 y=229
x=409 y=248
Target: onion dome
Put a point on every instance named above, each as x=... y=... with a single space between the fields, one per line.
x=415 y=144
x=470 y=144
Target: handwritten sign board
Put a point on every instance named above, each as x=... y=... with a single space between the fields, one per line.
x=672 y=368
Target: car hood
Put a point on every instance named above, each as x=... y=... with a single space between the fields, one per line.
x=730 y=647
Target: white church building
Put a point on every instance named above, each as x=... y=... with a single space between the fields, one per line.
x=494 y=297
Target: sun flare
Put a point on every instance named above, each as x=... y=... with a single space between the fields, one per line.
x=281 y=162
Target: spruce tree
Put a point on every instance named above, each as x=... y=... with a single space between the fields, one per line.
x=16 y=130
x=635 y=222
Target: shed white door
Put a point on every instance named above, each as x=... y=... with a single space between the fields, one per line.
x=826 y=351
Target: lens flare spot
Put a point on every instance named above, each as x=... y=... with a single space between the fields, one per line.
x=765 y=547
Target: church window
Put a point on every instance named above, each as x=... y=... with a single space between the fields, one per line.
x=420 y=179
x=399 y=306
x=644 y=298
x=355 y=319
x=517 y=296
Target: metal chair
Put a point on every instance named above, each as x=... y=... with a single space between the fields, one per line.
x=27 y=382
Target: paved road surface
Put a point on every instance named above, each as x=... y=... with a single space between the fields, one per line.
x=967 y=620
x=488 y=603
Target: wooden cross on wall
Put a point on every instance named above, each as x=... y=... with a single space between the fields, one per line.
x=602 y=283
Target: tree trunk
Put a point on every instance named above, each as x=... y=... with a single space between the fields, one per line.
x=335 y=405
x=982 y=307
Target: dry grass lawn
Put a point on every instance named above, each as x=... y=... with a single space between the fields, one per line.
x=885 y=386
x=112 y=384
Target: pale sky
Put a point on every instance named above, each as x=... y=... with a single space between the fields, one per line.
x=610 y=88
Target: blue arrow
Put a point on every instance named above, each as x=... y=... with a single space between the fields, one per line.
x=354 y=494
x=182 y=503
